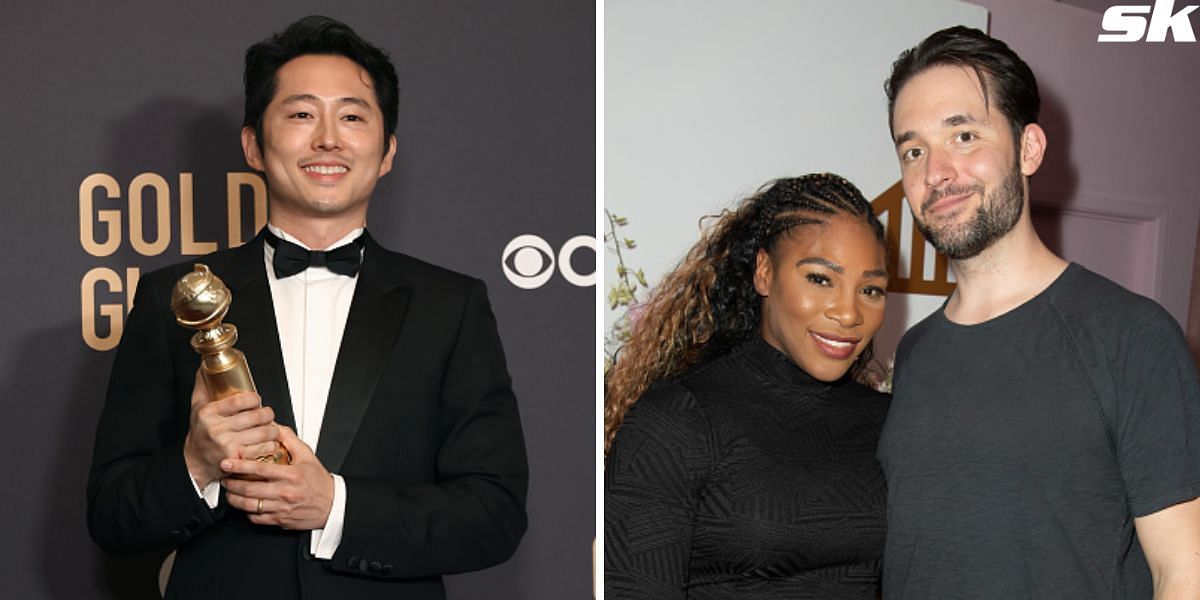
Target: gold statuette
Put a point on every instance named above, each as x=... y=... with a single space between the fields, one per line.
x=199 y=301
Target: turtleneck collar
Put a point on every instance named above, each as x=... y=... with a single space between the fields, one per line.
x=778 y=366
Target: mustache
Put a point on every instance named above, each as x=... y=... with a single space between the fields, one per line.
x=950 y=190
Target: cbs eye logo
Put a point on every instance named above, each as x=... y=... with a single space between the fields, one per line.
x=528 y=261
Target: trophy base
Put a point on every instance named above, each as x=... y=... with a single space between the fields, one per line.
x=281 y=457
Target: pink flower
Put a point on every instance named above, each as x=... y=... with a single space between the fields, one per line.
x=634 y=312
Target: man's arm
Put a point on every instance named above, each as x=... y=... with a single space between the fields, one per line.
x=154 y=447
x=1171 y=541
x=472 y=515
x=1158 y=423
x=139 y=494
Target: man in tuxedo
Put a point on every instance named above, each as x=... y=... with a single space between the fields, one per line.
x=382 y=375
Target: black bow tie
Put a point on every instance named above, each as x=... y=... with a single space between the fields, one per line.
x=291 y=258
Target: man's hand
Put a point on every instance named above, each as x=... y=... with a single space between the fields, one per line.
x=236 y=426
x=295 y=496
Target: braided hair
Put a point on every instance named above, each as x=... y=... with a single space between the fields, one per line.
x=708 y=305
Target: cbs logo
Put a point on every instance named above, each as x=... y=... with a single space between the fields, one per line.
x=528 y=261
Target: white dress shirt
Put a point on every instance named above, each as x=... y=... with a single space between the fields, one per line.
x=311 y=308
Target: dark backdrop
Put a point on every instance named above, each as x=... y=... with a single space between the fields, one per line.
x=496 y=140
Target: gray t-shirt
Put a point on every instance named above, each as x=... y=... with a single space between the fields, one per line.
x=1018 y=451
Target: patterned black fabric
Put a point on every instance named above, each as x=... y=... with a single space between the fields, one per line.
x=746 y=478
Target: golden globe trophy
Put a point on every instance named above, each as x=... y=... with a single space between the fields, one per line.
x=199 y=301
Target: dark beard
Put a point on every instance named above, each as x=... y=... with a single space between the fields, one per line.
x=998 y=213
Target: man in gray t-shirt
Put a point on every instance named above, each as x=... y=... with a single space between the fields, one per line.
x=1044 y=439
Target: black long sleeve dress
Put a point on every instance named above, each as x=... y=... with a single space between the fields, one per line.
x=746 y=478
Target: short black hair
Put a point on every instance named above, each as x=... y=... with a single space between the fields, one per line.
x=316 y=34
x=1006 y=79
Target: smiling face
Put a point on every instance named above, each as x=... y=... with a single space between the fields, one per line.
x=323 y=145
x=959 y=164
x=823 y=294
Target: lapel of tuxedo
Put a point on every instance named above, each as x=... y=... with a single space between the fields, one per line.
x=253 y=312
x=376 y=314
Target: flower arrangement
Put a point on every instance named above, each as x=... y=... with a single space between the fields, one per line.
x=878 y=374
x=623 y=295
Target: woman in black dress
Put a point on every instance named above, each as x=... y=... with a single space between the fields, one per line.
x=740 y=452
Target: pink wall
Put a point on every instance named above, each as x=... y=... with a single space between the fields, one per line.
x=1123 y=122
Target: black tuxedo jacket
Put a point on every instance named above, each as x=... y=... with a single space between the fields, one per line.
x=421 y=423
